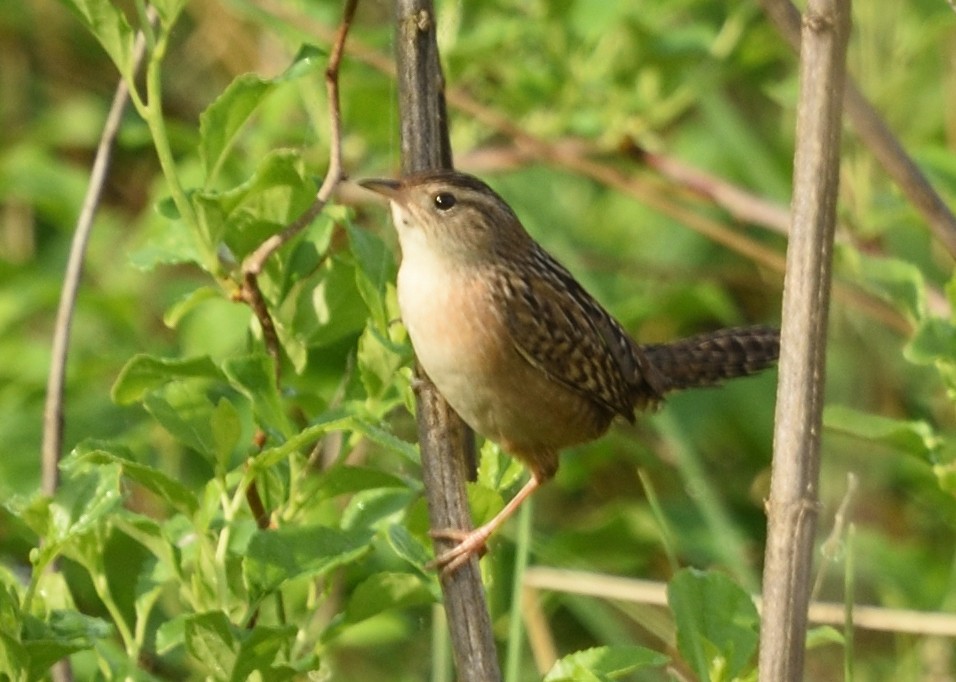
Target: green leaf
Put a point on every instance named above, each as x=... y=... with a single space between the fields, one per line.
x=896 y=281
x=263 y=205
x=226 y=428
x=604 y=663
x=308 y=59
x=333 y=420
x=388 y=440
x=171 y=634
x=13 y=655
x=328 y=311
x=933 y=342
x=254 y=377
x=188 y=414
x=909 y=436
x=150 y=584
x=945 y=474
x=169 y=489
x=168 y=10
x=82 y=502
x=383 y=591
x=342 y=480
x=275 y=556
x=222 y=120
x=376 y=267
x=378 y=508
x=63 y=633
x=150 y=534
x=111 y=29
x=188 y=303
x=14 y=659
x=717 y=623
x=823 y=635
x=144 y=373
x=407 y=545
x=258 y=651
x=167 y=242
x=210 y=640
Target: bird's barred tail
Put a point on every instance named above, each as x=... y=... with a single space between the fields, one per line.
x=709 y=359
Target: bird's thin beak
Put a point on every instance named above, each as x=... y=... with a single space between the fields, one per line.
x=391 y=189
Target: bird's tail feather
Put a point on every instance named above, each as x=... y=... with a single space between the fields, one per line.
x=708 y=359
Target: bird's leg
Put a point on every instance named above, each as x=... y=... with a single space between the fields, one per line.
x=472 y=542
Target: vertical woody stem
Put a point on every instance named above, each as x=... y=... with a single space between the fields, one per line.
x=792 y=507
x=447 y=445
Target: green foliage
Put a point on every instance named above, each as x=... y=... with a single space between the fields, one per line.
x=717 y=624
x=602 y=664
x=216 y=522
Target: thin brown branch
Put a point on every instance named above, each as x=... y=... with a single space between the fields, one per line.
x=56 y=380
x=447 y=445
x=739 y=203
x=793 y=503
x=878 y=137
x=254 y=263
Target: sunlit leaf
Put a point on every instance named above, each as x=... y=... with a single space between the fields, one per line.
x=275 y=556
x=210 y=640
x=258 y=651
x=112 y=30
x=169 y=489
x=383 y=591
x=184 y=409
x=604 y=664
x=717 y=622
x=143 y=373
x=910 y=436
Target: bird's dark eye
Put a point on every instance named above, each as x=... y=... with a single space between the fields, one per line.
x=444 y=201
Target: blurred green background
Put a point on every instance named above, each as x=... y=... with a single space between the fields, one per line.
x=711 y=85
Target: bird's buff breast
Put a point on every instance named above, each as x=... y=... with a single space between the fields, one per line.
x=465 y=349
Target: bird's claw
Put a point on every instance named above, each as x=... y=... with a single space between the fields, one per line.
x=469 y=543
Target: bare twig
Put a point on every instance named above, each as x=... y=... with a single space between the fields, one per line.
x=447 y=445
x=654 y=593
x=254 y=263
x=792 y=506
x=830 y=549
x=881 y=141
x=56 y=380
x=742 y=205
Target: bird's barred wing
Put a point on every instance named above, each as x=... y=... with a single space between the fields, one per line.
x=560 y=329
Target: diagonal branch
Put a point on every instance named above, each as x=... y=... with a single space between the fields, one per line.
x=56 y=380
x=881 y=141
x=253 y=264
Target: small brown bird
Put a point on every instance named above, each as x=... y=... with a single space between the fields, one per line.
x=516 y=346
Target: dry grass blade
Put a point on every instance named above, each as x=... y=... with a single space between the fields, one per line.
x=615 y=588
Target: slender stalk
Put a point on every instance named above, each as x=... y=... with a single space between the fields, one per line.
x=516 y=622
x=153 y=115
x=793 y=503
x=56 y=380
x=849 y=588
x=447 y=445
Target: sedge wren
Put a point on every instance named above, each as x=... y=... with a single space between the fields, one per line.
x=516 y=346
